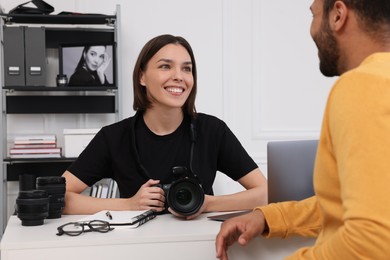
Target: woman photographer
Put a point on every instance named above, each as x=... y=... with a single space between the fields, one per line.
x=140 y=152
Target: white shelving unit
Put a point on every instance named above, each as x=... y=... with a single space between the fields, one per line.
x=56 y=106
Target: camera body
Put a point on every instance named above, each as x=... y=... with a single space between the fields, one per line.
x=184 y=194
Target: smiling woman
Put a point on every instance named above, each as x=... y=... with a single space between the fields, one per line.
x=168 y=81
x=142 y=153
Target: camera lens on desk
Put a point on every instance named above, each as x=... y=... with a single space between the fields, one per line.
x=55 y=187
x=185 y=196
x=27 y=182
x=32 y=207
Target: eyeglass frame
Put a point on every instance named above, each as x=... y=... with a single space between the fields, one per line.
x=141 y=219
x=105 y=227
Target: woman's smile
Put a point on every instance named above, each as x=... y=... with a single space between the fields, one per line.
x=174 y=90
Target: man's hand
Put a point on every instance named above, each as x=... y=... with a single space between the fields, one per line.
x=242 y=229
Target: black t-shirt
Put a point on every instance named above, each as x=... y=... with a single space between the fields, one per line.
x=163 y=152
x=130 y=153
x=84 y=77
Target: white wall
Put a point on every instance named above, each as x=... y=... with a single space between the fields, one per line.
x=257 y=65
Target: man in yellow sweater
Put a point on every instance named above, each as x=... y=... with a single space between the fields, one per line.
x=350 y=212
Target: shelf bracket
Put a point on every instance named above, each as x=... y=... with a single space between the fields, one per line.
x=110 y=22
x=7 y=20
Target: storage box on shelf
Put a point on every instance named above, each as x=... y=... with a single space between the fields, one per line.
x=76 y=140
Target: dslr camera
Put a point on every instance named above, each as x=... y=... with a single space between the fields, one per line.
x=184 y=194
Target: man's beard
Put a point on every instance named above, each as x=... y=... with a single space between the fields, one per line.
x=328 y=51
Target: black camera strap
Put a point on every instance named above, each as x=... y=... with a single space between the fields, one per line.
x=193 y=137
x=193 y=140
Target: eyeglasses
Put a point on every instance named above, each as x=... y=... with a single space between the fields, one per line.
x=76 y=228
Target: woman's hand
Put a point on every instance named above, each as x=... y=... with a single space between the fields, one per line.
x=102 y=68
x=149 y=197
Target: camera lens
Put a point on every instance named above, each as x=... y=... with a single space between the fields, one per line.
x=32 y=207
x=185 y=197
x=27 y=182
x=55 y=187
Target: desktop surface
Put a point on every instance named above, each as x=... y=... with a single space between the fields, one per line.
x=165 y=237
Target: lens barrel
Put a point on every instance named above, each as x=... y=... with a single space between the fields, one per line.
x=27 y=182
x=185 y=196
x=32 y=207
x=55 y=186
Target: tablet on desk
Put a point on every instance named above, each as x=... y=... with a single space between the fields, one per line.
x=226 y=216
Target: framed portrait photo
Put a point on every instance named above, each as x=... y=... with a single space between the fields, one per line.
x=88 y=65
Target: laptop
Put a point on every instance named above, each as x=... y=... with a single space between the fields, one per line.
x=225 y=216
x=290 y=169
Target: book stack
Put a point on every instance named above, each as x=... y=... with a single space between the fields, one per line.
x=35 y=146
x=104 y=190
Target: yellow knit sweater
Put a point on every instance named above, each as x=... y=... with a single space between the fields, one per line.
x=350 y=212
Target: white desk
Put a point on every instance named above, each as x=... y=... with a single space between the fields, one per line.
x=164 y=237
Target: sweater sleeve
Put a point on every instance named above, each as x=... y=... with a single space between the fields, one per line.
x=293 y=218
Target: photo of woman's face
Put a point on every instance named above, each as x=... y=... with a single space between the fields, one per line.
x=94 y=57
